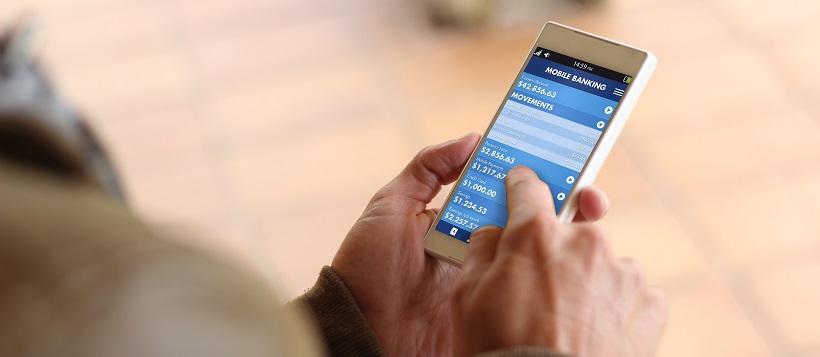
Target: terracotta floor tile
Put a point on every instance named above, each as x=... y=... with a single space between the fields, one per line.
x=190 y=195
x=622 y=180
x=710 y=160
x=430 y=66
x=318 y=100
x=205 y=10
x=154 y=77
x=274 y=52
x=809 y=100
x=769 y=219
x=299 y=245
x=472 y=66
x=61 y=9
x=651 y=234
x=235 y=131
x=319 y=170
x=789 y=295
x=707 y=321
x=793 y=59
x=452 y=90
x=771 y=21
x=396 y=32
x=148 y=145
x=687 y=87
x=637 y=25
x=199 y=22
x=222 y=239
x=693 y=94
x=451 y=119
x=109 y=34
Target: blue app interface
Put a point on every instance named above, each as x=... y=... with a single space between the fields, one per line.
x=550 y=123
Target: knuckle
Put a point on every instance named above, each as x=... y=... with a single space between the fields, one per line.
x=540 y=223
x=635 y=271
x=420 y=160
x=596 y=238
x=658 y=303
x=657 y=298
x=486 y=231
x=535 y=232
x=459 y=293
x=592 y=246
x=424 y=152
x=515 y=182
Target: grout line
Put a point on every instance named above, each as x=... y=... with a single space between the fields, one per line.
x=763 y=51
x=812 y=350
x=215 y=151
x=734 y=278
x=391 y=101
x=701 y=239
x=760 y=315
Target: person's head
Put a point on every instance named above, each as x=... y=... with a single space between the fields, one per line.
x=25 y=142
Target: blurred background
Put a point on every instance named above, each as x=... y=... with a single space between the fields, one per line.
x=259 y=129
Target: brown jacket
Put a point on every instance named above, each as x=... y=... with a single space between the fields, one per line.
x=80 y=275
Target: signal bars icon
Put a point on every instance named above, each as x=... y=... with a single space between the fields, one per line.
x=547 y=54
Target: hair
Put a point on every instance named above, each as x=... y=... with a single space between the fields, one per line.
x=25 y=142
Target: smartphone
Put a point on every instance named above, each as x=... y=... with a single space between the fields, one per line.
x=560 y=118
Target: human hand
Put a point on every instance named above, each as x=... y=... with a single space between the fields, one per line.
x=404 y=293
x=538 y=282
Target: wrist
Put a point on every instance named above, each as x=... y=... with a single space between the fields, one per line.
x=341 y=323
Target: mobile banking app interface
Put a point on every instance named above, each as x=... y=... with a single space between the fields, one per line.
x=550 y=123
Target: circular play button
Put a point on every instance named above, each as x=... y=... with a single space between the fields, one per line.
x=608 y=110
x=570 y=180
x=561 y=196
x=600 y=125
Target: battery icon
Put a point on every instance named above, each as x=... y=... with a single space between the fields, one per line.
x=627 y=79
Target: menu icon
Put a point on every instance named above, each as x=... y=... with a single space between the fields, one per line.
x=619 y=92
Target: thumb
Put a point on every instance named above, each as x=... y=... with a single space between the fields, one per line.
x=531 y=212
x=433 y=167
x=482 y=249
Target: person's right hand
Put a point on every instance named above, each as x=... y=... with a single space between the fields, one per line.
x=539 y=282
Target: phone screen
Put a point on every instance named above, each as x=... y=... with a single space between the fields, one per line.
x=551 y=122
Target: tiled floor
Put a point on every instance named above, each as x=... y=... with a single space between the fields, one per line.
x=242 y=126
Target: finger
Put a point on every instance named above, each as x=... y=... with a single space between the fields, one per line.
x=527 y=197
x=593 y=205
x=482 y=249
x=532 y=221
x=635 y=272
x=649 y=321
x=433 y=167
x=656 y=300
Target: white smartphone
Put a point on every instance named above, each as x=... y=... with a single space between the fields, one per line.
x=560 y=118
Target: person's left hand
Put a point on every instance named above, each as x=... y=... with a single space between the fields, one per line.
x=404 y=293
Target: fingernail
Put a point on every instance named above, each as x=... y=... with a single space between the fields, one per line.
x=481 y=232
x=605 y=200
x=517 y=170
x=464 y=136
x=477 y=233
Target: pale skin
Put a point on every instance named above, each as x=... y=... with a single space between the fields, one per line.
x=539 y=282
x=404 y=293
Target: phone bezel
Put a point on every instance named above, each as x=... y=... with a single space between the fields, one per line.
x=588 y=48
